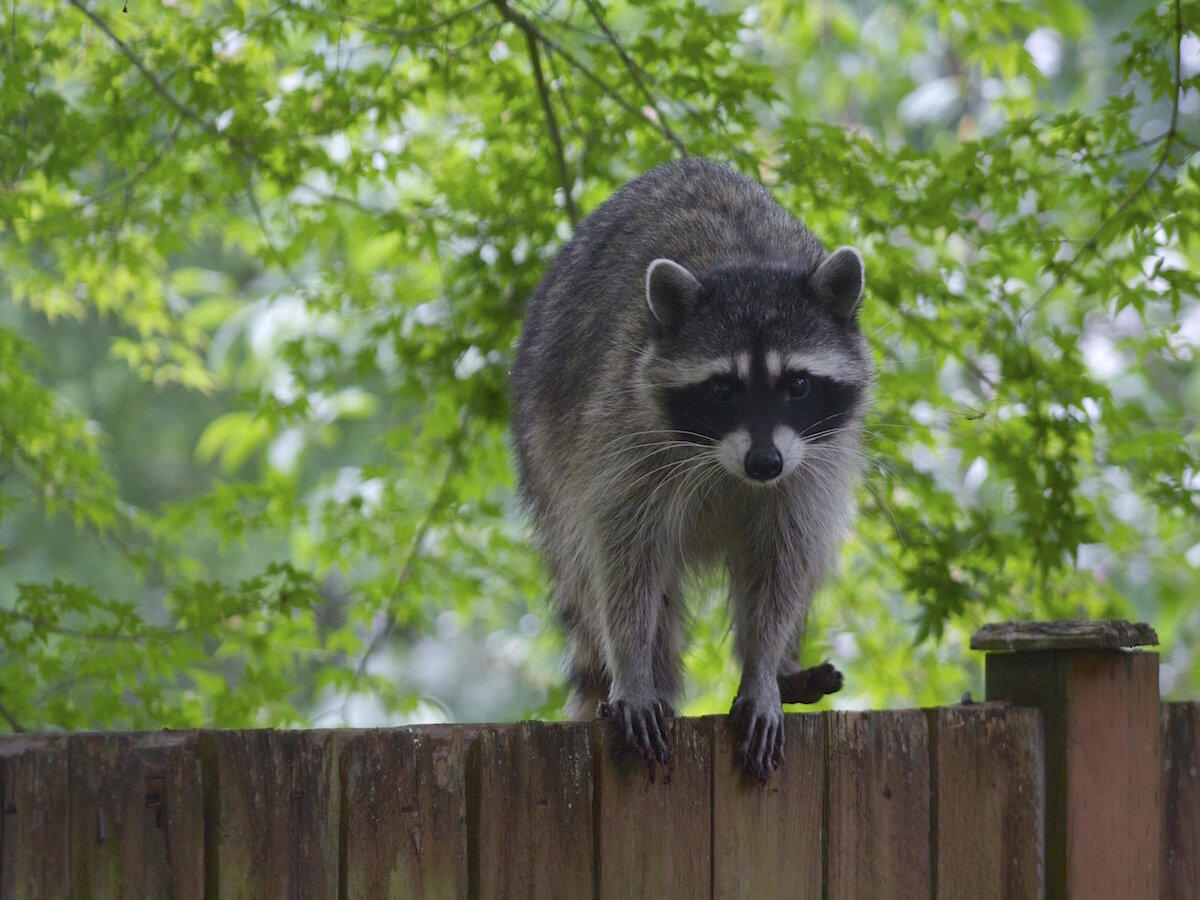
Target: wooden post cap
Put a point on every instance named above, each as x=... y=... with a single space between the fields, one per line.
x=1081 y=634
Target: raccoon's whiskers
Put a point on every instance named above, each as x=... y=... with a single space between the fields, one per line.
x=659 y=438
x=670 y=471
x=713 y=477
x=677 y=479
x=808 y=434
x=670 y=436
x=887 y=507
x=652 y=475
x=677 y=470
x=615 y=478
x=833 y=460
x=685 y=508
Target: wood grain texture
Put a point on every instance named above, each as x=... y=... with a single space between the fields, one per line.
x=1113 y=776
x=1180 y=857
x=403 y=812
x=272 y=802
x=989 y=839
x=894 y=804
x=136 y=815
x=1100 y=709
x=1082 y=634
x=534 y=811
x=767 y=839
x=34 y=817
x=878 y=810
x=654 y=838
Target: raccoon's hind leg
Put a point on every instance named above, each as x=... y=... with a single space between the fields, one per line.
x=586 y=672
x=798 y=685
x=590 y=684
x=668 y=648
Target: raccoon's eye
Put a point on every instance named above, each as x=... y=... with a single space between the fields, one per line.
x=721 y=389
x=799 y=387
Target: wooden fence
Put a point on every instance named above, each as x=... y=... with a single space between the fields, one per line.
x=1072 y=782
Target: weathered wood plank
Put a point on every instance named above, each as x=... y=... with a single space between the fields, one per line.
x=878 y=811
x=1083 y=634
x=403 y=812
x=1180 y=859
x=272 y=802
x=1100 y=710
x=534 y=811
x=767 y=839
x=1113 y=776
x=989 y=795
x=34 y=818
x=136 y=815
x=654 y=838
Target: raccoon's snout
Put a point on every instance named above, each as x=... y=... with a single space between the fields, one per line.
x=763 y=463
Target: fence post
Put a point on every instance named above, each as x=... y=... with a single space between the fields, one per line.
x=1099 y=700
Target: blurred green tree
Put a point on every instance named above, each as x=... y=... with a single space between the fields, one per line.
x=262 y=265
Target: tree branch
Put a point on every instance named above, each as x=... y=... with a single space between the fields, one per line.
x=266 y=232
x=399 y=34
x=553 y=46
x=635 y=72
x=436 y=507
x=1168 y=140
x=531 y=40
x=159 y=88
x=210 y=128
x=552 y=126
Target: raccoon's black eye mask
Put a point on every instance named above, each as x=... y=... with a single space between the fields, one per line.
x=799 y=386
x=722 y=389
x=813 y=406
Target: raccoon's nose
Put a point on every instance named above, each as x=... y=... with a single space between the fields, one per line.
x=763 y=463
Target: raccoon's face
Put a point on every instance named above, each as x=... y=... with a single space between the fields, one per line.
x=764 y=413
x=768 y=369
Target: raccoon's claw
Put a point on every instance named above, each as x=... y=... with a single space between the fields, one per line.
x=760 y=726
x=645 y=729
x=810 y=685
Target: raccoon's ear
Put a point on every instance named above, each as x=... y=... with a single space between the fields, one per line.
x=839 y=281
x=670 y=292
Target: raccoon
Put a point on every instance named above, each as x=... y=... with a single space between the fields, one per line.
x=689 y=390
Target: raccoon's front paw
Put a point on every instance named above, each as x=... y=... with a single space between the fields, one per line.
x=759 y=723
x=644 y=727
x=810 y=685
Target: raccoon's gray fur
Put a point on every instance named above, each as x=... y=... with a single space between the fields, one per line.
x=689 y=392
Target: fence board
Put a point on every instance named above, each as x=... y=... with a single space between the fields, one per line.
x=1120 y=702
x=403 y=812
x=535 y=811
x=878 y=811
x=1180 y=857
x=1103 y=764
x=34 y=791
x=989 y=795
x=136 y=816
x=272 y=813
x=654 y=838
x=945 y=803
x=767 y=839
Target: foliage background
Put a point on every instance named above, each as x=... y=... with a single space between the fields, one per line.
x=262 y=265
